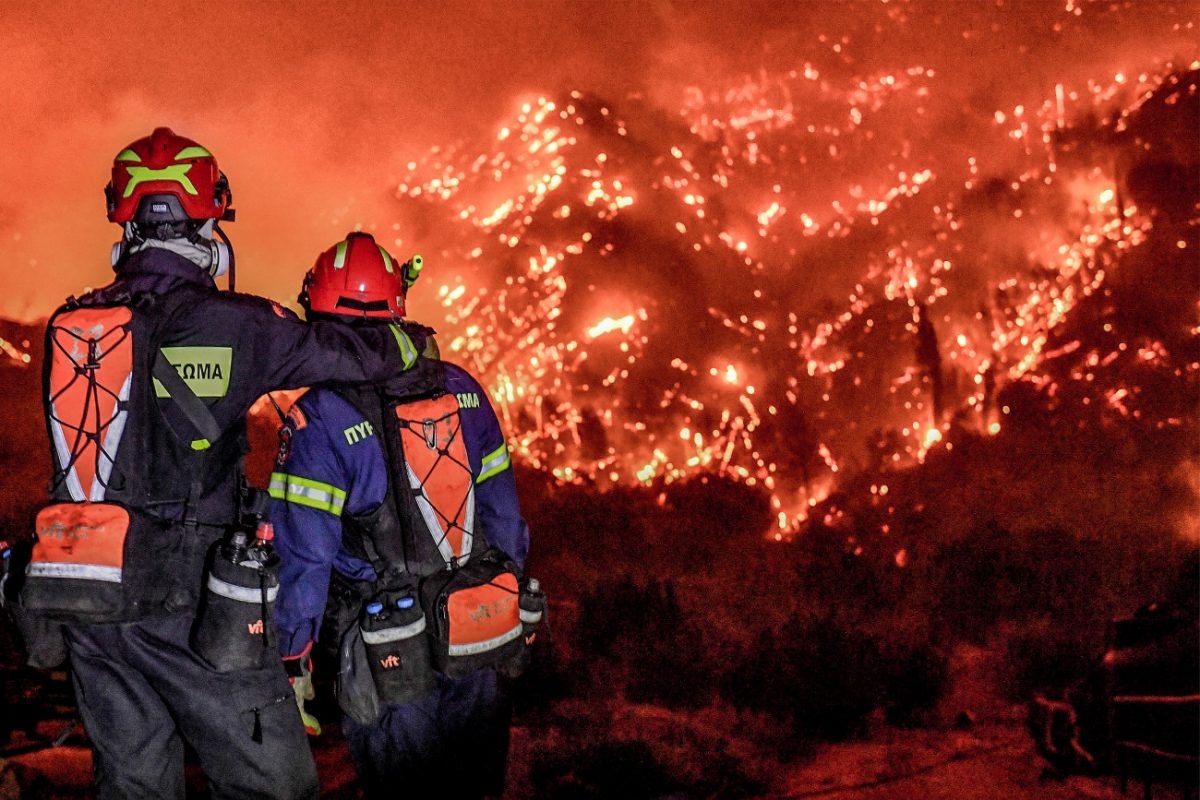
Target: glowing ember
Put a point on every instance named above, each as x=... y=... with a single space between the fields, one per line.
x=18 y=355
x=608 y=325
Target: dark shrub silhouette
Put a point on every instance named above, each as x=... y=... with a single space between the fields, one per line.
x=914 y=680
x=816 y=673
x=643 y=627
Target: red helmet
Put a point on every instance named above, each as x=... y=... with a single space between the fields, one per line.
x=166 y=178
x=356 y=278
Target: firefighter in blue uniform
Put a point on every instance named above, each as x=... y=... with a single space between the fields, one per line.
x=148 y=475
x=333 y=467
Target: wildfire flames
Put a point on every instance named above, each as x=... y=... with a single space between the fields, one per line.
x=789 y=276
x=648 y=296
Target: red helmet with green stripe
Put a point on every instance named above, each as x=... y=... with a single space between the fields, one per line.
x=166 y=178
x=358 y=278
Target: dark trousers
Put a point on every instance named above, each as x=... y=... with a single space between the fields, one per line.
x=450 y=744
x=142 y=693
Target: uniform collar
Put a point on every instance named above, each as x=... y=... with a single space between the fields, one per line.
x=426 y=377
x=159 y=270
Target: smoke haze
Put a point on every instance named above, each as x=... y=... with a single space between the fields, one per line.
x=314 y=108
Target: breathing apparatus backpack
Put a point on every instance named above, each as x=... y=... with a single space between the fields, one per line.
x=119 y=540
x=468 y=601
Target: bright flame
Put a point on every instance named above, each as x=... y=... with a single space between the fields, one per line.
x=609 y=324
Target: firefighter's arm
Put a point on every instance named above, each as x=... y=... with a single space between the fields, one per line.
x=496 y=489
x=329 y=352
x=306 y=505
x=496 y=503
x=308 y=493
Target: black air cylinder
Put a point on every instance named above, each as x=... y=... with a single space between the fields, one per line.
x=393 y=632
x=235 y=629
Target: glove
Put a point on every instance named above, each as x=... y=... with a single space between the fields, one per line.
x=299 y=670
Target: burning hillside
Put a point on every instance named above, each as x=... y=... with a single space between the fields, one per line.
x=795 y=275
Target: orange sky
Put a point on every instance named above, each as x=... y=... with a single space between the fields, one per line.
x=307 y=106
x=310 y=106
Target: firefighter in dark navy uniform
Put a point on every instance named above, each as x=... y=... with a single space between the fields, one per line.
x=148 y=479
x=344 y=466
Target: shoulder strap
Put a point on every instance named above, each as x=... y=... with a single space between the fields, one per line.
x=389 y=558
x=186 y=400
x=166 y=308
x=390 y=542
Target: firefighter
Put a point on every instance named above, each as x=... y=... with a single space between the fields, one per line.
x=422 y=493
x=148 y=381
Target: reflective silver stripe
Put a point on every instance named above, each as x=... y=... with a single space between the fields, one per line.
x=242 y=594
x=59 y=569
x=468 y=538
x=71 y=480
x=394 y=634
x=474 y=648
x=435 y=525
x=531 y=616
x=112 y=440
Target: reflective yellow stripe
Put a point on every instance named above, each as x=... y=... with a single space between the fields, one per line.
x=307 y=492
x=128 y=155
x=339 y=254
x=303 y=500
x=308 y=483
x=387 y=260
x=192 y=152
x=176 y=173
x=201 y=444
x=407 y=349
x=494 y=463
